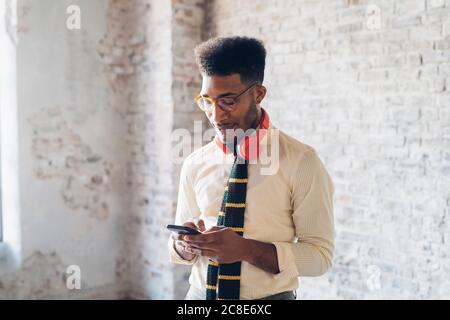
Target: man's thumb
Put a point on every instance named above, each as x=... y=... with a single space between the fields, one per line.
x=201 y=225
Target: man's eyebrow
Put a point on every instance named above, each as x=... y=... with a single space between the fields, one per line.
x=221 y=95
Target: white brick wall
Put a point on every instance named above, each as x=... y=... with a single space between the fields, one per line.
x=142 y=29
x=374 y=103
x=159 y=98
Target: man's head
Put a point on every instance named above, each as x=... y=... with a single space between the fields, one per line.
x=232 y=69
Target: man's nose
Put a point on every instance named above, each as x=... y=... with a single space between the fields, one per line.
x=218 y=114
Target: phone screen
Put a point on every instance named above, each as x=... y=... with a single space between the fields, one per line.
x=182 y=229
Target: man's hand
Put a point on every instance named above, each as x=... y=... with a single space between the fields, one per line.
x=220 y=244
x=223 y=245
x=180 y=245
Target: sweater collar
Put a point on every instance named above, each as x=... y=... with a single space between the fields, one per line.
x=248 y=148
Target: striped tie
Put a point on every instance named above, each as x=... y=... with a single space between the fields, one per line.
x=224 y=280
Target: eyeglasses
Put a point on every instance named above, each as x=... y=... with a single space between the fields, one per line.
x=225 y=103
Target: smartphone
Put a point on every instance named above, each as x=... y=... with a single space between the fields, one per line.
x=182 y=229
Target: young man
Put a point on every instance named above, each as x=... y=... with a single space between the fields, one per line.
x=271 y=228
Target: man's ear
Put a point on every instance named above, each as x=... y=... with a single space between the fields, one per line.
x=260 y=93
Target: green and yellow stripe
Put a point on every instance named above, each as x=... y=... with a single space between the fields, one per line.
x=238 y=180
x=234 y=205
x=224 y=277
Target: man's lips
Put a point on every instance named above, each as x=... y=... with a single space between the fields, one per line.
x=226 y=127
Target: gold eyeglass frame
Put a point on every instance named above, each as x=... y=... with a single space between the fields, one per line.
x=213 y=101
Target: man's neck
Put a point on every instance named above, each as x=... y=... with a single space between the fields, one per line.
x=254 y=126
x=257 y=121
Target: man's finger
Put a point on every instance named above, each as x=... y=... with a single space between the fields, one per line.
x=192 y=250
x=202 y=246
x=190 y=225
x=176 y=236
x=181 y=243
x=201 y=225
x=199 y=238
x=208 y=253
x=179 y=236
x=201 y=252
x=214 y=229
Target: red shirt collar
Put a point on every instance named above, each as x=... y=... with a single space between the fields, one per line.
x=248 y=147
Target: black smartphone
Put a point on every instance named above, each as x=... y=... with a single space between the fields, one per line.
x=182 y=229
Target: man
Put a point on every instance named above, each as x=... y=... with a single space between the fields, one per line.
x=271 y=228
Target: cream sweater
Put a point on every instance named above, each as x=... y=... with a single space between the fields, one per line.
x=291 y=207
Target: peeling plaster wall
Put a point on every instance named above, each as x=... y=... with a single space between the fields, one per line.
x=97 y=183
x=71 y=167
x=147 y=52
x=60 y=153
x=135 y=52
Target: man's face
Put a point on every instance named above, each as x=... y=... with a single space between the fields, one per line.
x=246 y=111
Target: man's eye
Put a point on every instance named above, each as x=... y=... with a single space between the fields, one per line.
x=226 y=101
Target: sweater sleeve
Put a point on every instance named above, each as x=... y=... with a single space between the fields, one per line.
x=187 y=209
x=312 y=198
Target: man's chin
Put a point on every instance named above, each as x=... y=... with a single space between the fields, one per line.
x=226 y=136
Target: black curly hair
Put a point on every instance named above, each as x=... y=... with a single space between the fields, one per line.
x=223 y=56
